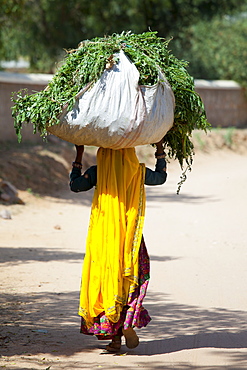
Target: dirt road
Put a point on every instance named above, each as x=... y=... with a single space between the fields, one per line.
x=197 y=295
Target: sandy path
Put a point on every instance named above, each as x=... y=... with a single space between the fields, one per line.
x=197 y=295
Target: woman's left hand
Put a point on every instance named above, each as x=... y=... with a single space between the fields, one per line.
x=159 y=146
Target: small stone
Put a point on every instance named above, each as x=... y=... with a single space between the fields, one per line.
x=5 y=214
x=9 y=193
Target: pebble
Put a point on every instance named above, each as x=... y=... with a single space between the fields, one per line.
x=5 y=214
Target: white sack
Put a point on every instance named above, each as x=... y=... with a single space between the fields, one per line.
x=118 y=113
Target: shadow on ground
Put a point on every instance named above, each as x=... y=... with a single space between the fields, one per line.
x=42 y=324
x=47 y=323
x=11 y=256
x=160 y=195
x=177 y=327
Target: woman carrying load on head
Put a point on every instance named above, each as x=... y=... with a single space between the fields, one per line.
x=116 y=265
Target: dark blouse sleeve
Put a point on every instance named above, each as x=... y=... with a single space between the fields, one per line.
x=157 y=177
x=79 y=182
x=88 y=180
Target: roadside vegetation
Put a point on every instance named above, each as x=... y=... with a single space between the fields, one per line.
x=209 y=34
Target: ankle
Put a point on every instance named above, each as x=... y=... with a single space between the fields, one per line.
x=116 y=339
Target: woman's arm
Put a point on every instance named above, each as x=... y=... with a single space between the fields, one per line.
x=79 y=182
x=157 y=177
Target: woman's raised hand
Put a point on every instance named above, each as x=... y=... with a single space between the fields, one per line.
x=159 y=146
x=79 y=153
x=79 y=148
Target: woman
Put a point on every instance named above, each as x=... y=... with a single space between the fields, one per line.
x=116 y=265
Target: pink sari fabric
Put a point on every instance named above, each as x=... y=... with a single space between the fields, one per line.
x=133 y=314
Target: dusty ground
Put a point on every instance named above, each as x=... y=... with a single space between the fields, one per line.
x=197 y=243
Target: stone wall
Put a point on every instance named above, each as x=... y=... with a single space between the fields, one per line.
x=225 y=102
x=12 y=82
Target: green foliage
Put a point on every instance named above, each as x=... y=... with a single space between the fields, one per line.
x=11 y=8
x=219 y=49
x=40 y=29
x=85 y=65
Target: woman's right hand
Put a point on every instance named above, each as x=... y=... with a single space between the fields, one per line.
x=79 y=153
x=79 y=148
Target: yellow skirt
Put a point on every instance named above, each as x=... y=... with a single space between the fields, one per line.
x=110 y=269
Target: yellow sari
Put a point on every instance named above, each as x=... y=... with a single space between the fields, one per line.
x=110 y=269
